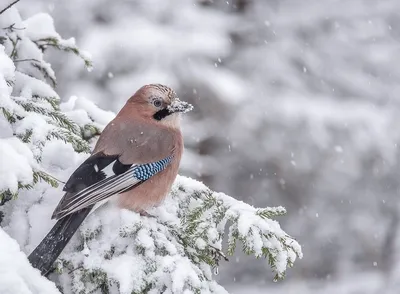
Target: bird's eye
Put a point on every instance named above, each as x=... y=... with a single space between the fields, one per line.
x=157 y=102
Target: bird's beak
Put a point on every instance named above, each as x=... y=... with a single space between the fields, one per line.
x=179 y=106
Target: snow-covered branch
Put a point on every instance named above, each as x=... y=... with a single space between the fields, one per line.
x=176 y=248
x=31 y=115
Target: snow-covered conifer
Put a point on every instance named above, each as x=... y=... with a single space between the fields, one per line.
x=29 y=106
x=176 y=249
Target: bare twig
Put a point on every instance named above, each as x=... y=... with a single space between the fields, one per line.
x=12 y=27
x=13 y=54
x=54 y=178
x=9 y=6
x=29 y=59
x=219 y=252
x=71 y=271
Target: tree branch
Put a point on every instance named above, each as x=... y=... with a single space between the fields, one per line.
x=9 y=6
x=28 y=59
x=12 y=27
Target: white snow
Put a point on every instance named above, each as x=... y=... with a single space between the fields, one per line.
x=16 y=164
x=7 y=67
x=16 y=274
x=27 y=86
x=40 y=26
x=83 y=111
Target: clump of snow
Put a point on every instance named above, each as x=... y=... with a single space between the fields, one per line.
x=16 y=164
x=7 y=68
x=84 y=111
x=40 y=26
x=27 y=86
x=16 y=274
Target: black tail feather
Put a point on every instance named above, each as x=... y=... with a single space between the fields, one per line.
x=55 y=241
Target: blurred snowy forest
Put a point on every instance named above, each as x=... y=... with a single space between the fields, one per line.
x=296 y=104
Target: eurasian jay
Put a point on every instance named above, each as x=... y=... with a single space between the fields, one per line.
x=136 y=158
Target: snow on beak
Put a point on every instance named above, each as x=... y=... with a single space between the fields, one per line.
x=179 y=106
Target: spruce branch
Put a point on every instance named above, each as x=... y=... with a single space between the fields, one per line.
x=9 y=6
x=61 y=119
x=77 y=142
x=8 y=115
x=14 y=42
x=27 y=59
x=7 y=195
x=54 y=42
x=89 y=131
x=45 y=72
x=194 y=232
x=53 y=101
x=13 y=28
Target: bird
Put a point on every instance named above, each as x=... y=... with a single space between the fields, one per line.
x=135 y=160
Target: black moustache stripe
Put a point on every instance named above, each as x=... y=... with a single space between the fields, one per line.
x=159 y=115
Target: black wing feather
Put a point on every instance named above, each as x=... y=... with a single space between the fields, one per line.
x=87 y=174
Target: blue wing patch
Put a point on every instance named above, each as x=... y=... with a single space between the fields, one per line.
x=145 y=171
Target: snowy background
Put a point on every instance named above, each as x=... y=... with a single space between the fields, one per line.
x=296 y=105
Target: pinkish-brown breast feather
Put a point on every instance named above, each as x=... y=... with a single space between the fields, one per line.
x=137 y=142
x=155 y=189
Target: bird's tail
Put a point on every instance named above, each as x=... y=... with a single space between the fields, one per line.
x=55 y=241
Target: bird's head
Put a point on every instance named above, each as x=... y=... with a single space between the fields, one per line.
x=159 y=103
